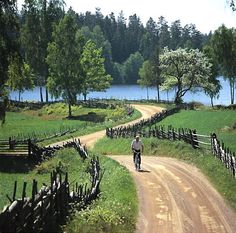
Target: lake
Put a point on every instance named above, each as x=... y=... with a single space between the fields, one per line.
x=135 y=92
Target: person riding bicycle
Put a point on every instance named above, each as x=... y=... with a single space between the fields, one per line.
x=137 y=148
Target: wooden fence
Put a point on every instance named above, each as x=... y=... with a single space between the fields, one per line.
x=28 y=147
x=223 y=153
x=38 y=154
x=49 y=207
x=133 y=129
x=15 y=146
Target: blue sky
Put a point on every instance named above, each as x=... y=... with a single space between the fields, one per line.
x=205 y=14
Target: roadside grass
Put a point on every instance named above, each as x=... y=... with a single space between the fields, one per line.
x=207 y=121
x=212 y=168
x=117 y=208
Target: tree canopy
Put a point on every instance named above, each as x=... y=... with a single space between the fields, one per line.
x=184 y=70
x=64 y=54
x=223 y=43
x=94 y=74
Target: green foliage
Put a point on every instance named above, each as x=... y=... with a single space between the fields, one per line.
x=224 y=49
x=9 y=47
x=38 y=17
x=132 y=66
x=184 y=70
x=97 y=36
x=146 y=74
x=92 y=63
x=64 y=55
x=20 y=77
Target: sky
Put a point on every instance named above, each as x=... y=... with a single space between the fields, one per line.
x=207 y=15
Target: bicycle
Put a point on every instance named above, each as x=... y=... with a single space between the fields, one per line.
x=137 y=159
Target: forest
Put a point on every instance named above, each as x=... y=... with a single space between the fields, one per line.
x=74 y=53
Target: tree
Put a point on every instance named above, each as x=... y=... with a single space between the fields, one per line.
x=149 y=39
x=163 y=32
x=97 y=36
x=184 y=70
x=157 y=79
x=32 y=41
x=175 y=32
x=36 y=32
x=131 y=68
x=146 y=74
x=223 y=42
x=92 y=62
x=232 y=4
x=9 y=47
x=64 y=54
x=19 y=77
x=213 y=90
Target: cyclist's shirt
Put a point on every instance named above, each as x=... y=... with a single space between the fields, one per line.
x=136 y=145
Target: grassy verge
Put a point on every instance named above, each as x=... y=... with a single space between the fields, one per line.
x=116 y=210
x=219 y=176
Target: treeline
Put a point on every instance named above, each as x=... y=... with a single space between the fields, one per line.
x=128 y=42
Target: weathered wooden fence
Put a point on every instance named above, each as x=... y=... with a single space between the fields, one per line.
x=38 y=154
x=49 y=207
x=224 y=154
x=133 y=129
x=13 y=145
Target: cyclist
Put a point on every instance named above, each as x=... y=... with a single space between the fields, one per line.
x=137 y=148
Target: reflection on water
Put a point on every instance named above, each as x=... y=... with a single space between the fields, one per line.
x=135 y=92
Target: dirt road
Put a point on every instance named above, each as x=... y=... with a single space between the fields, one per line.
x=176 y=197
x=173 y=196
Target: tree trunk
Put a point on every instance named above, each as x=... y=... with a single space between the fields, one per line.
x=158 y=93
x=178 y=100
x=69 y=109
x=85 y=97
x=19 y=95
x=232 y=84
x=41 y=94
x=147 y=94
x=46 y=94
x=212 y=105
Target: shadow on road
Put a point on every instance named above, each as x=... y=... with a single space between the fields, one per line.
x=142 y=170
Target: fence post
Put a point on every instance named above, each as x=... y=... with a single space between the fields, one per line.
x=195 y=141
x=10 y=144
x=29 y=147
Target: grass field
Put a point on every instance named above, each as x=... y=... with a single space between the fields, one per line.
x=221 y=122
x=52 y=119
